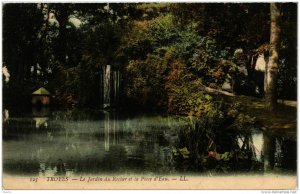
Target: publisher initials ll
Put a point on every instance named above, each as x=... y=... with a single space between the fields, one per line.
x=183 y=178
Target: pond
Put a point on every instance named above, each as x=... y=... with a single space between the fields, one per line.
x=47 y=143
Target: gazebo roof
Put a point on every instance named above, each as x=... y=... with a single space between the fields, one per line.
x=41 y=91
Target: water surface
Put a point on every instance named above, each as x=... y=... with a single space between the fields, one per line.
x=49 y=144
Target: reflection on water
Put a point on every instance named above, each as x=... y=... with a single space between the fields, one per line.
x=258 y=143
x=50 y=145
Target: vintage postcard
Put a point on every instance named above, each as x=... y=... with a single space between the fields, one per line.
x=160 y=95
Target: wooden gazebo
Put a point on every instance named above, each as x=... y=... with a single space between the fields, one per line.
x=41 y=97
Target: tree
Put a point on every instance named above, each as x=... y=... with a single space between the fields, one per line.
x=272 y=66
x=21 y=27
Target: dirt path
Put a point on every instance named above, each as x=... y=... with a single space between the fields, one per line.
x=283 y=121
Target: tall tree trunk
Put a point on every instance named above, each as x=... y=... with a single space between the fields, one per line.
x=272 y=66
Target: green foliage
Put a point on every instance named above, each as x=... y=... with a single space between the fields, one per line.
x=162 y=31
x=185 y=96
x=244 y=122
x=287 y=80
x=184 y=152
x=211 y=141
x=167 y=52
x=21 y=25
x=66 y=94
x=145 y=83
x=169 y=64
x=93 y=47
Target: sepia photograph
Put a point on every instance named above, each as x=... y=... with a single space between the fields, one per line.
x=160 y=95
